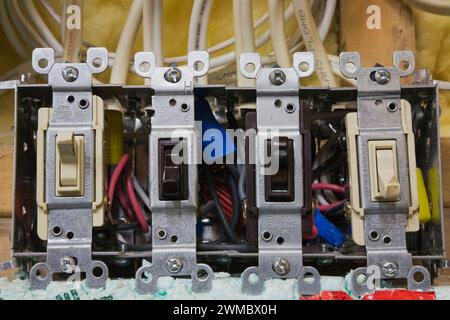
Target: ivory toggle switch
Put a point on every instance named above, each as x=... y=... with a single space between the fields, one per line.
x=69 y=164
x=384 y=180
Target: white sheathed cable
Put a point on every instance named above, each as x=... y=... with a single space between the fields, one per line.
x=327 y=19
x=261 y=40
x=198 y=29
x=47 y=6
x=313 y=42
x=147 y=15
x=121 y=64
x=25 y=22
x=200 y=14
x=41 y=26
x=157 y=32
x=20 y=22
x=141 y=192
x=244 y=35
x=10 y=33
x=72 y=35
x=277 y=34
x=147 y=21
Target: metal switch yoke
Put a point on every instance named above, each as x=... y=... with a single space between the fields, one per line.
x=67 y=144
x=173 y=178
x=382 y=169
x=279 y=174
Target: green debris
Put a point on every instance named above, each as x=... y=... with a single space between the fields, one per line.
x=73 y=295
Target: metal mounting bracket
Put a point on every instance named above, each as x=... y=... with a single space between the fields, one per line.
x=174 y=220
x=383 y=120
x=69 y=219
x=279 y=222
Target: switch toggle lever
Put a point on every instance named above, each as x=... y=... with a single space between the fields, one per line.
x=69 y=164
x=385 y=184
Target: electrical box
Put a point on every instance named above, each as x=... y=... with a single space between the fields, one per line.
x=272 y=181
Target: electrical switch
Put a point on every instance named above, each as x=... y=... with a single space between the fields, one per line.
x=280 y=186
x=172 y=176
x=69 y=164
x=384 y=178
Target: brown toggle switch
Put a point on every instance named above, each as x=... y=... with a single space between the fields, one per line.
x=280 y=186
x=173 y=178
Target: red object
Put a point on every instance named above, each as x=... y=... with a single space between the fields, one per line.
x=327 y=207
x=134 y=202
x=311 y=235
x=378 y=295
x=124 y=201
x=400 y=295
x=329 y=295
x=329 y=186
x=113 y=182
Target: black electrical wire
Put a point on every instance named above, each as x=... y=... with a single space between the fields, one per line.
x=222 y=218
x=208 y=207
x=233 y=171
x=232 y=183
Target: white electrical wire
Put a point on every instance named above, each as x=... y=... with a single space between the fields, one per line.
x=121 y=64
x=157 y=32
x=441 y=7
x=264 y=38
x=41 y=26
x=327 y=19
x=147 y=21
x=52 y=13
x=219 y=62
x=147 y=18
x=11 y=34
x=244 y=35
x=198 y=29
x=313 y=42
x=200 y=15
x=141 y=193
x=277 y=34
x=319 y=196
x=23 y=23
x=72 y=37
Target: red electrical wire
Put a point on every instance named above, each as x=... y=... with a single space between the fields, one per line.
x=113 y=183
x=311 y=235
x=124 y=201
x=330 y=187
x=223 y=197
x=331 y=206
x=134 y=202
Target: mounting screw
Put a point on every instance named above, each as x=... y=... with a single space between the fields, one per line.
x=389 y=269
x=174 y=265
x=281 y=266
x=70 y=74
x=277 y=77
x=173 y=75
x=382 y=76
x=68 y=264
